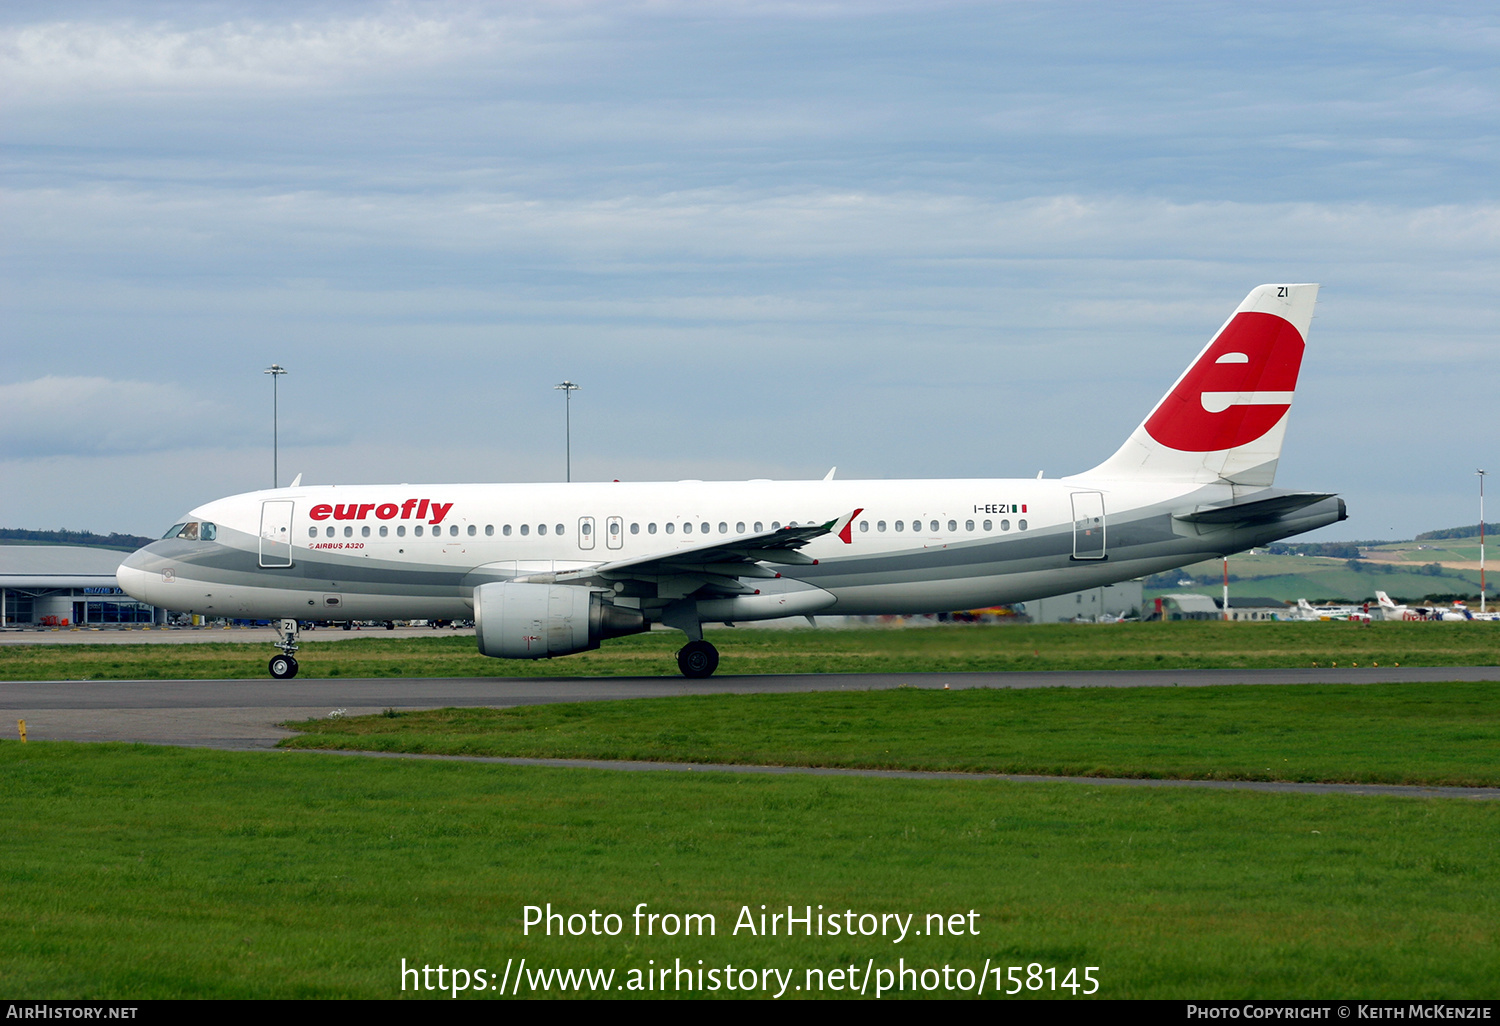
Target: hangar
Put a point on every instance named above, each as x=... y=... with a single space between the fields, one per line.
x=66 y=585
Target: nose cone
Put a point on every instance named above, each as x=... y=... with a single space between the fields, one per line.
x=141 y=576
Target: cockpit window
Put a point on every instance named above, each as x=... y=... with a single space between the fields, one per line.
x=189 y=532
x=207 y=531
x=172 y=531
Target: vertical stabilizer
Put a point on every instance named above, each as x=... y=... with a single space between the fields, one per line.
x=1225 y=418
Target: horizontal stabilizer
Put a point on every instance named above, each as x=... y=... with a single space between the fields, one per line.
x=1257 y=511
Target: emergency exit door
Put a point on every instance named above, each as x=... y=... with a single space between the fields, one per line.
x=1088 y=525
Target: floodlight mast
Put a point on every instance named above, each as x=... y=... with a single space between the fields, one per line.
x=567 y=388
x=1481 y=474
x=276 y=370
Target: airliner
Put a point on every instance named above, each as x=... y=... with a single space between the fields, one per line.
x=548 y=570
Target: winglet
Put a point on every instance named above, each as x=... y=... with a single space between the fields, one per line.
x=845 y=527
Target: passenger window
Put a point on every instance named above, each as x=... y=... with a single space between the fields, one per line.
x=364 y=532
x=505 y=530
x=635 y=528
x=348 y=531
x=525 y=530
x=723 y=527
x=1021 y=524
x=384 y=531
x=989 y=525
x=614 y=529
x=489 y=530
x=415 y=530
x=703 y=528
x=312 y=532
x=880 y=525
x=400 y=530
x=687 y=528
x=864 y=525
x=651 y=528
x=900 y=525
x=953 y=527
x=934 y=527
x=670 y=527
x=473 y=530
x=208 y=532
x=758 y=528
x=968 y=525
x=329 y=532
x=776 y=525
x=453 y=530
x=541 y=528
x=739 y=528
x=587 y=529
x=559 y=528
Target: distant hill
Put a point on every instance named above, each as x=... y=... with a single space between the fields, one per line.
x=1457 y=532
x=123 y=542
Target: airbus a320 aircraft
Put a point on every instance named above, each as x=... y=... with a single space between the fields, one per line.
x=552 y=569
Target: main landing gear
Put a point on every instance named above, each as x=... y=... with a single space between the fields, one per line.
x=284 y=666
x=698 y=659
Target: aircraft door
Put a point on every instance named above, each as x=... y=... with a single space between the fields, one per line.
x=1088 y=525
x=616 y=536
x=585 y=532
x=276 y=532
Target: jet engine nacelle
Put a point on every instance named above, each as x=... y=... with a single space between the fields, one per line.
x=535 y=621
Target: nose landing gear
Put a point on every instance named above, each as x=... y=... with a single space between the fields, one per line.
x=284 y=666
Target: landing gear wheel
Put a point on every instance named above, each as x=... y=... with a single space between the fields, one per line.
x=283 y=667
x=698 y=659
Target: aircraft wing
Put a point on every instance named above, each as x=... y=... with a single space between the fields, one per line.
x=718 y=564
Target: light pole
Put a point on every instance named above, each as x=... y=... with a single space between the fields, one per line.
x=276 y=370
x=567 y=388
x=1481 y=539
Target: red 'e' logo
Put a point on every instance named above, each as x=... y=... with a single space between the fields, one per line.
x=1237 y=391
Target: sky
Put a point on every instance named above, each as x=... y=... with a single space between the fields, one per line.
x=766 y=238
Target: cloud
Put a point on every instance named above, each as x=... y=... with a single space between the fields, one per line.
x=58 y=415
x=56 y=60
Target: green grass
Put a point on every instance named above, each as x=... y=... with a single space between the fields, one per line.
x=132 y=872
x=1139 y=646
x=1392 y=733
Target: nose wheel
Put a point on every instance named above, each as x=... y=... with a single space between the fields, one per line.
x=698 y=659
x=284 y=666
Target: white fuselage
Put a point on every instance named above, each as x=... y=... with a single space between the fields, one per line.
x=379 y=551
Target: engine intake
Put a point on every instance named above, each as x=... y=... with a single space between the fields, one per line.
x=536 y=621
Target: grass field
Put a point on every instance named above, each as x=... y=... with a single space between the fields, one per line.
x=136 y=872
x=1141 y=646
x=1392 y=733
x=139 y=872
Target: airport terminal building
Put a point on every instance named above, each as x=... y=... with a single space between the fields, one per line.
x=64 y=586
